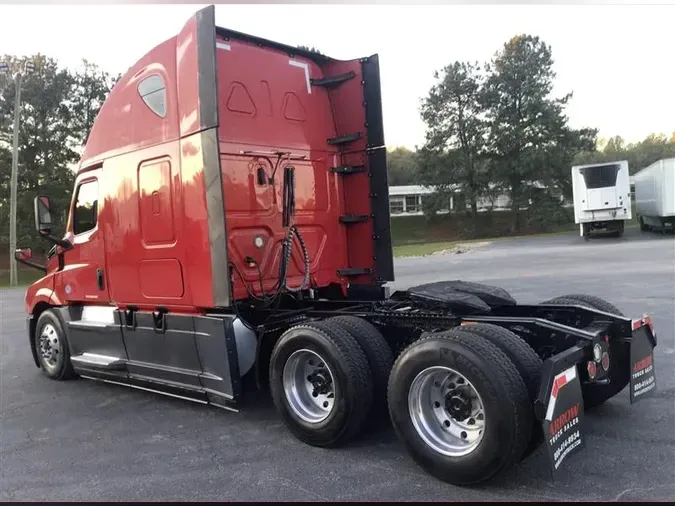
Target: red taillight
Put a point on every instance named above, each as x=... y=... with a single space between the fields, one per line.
x=592 y=370
x=605 y=361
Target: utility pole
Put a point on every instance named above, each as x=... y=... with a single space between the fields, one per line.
x=29 y=66
x=13 y=274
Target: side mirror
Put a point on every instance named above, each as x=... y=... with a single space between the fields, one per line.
x=43 y=217
x=23 y=254
x=43 y=222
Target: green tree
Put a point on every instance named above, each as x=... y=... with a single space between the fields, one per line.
x=615 y=146
x=653 y=148
x=311 y=49
x=58 y=108
x=45 y=151
x=559 y=157
x=529 y=138
x=454 y=151
x=638 y=155
x=402 y=166
x=91 y=86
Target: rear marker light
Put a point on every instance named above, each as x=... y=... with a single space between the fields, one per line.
x=605 y=361
x=648 y=321
x=590 y=366
x=645 y=320
x=597 y=352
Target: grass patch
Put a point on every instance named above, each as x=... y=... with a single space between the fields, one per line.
x=421 y=249
x=26 y=277
x=408 y=230
x=413 y=250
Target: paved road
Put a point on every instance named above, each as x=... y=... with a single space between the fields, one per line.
x=83 y=440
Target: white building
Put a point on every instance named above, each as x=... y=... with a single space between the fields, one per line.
x=407 y=201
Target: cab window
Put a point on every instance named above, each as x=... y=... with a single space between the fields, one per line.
x=153 y=92
x=85 y=211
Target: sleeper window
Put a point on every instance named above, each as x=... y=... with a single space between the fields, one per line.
x=153 y=92
x=86 y=207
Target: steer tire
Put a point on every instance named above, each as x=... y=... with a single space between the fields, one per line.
x=50 y=325
x=379 y=355
x=348 y=366
x=506 y=406
x=619 y=366
x=526 y=361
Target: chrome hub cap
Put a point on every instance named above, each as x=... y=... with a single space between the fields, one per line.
x=446 y=411
x=309 y=386
x=50 y=348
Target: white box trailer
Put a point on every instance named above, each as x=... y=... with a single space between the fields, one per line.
x=601 y=198
x=655 y=195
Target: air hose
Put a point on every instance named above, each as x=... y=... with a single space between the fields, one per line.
x=286 y=251
x=288 y=212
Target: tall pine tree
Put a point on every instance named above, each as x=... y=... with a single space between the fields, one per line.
x=530 y=140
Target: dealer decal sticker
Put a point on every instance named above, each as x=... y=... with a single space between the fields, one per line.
x=564 y=415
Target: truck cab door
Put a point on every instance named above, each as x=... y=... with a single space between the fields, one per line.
x=94 y=329
x=83 y=277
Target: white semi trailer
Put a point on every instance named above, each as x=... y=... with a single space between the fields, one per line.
x=601 y=198
x=655 y=196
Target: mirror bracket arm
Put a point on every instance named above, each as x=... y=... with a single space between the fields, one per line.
x=35 y=265
x=65 y=244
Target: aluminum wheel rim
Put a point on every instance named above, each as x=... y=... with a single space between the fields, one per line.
x=446 y=411
x=309 y=386
x=50 y=348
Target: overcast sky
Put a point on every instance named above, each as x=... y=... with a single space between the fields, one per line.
x=616 y=59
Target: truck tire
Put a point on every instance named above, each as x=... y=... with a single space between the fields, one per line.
x=459 y=372
x=526 y=361
x=379 y=355
x=320 y=383
x=619 y=369
x=51 y=346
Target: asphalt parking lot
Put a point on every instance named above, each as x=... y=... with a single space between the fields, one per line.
x=83 y=440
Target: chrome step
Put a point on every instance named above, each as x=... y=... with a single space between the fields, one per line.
x=100 y=361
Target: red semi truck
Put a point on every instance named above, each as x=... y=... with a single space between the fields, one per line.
x=230 y=220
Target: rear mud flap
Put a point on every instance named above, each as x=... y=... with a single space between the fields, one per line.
x=564 y=416
x=561 y=404
x=642 y=373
